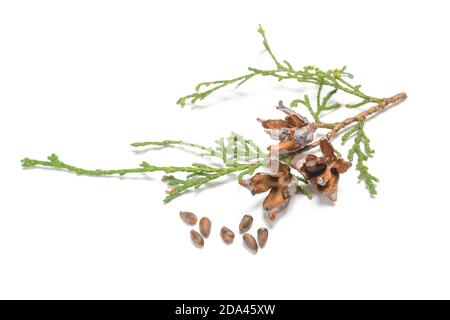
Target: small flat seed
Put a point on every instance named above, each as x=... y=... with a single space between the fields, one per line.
x=197 y=239
x=188 y=217
x=263 y=234
x=205 y=227
x=227 y=235
x=246 y=223
x=250 y=242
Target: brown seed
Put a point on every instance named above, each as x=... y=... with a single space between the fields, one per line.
x=246 y=223
x=197 y=239
x=205 y=227
x=188 y=217
x=227 y=235
x=250 y=242
x=263 y=234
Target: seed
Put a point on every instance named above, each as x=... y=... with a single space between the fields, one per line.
x=246 y=223
x=205 y=227
x=197 y=239
x=250 y=242
x=263 y=234
x=227 y=235
x=188 y=217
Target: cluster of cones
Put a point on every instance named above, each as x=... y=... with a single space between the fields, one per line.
x=295 y=132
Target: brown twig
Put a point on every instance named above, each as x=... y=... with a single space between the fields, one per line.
x=338 y=126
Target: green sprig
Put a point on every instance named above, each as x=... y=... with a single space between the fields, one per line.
x=234 y=149
x=361 y=148
x=336 y=79
x=196 y=175
x=166 y=143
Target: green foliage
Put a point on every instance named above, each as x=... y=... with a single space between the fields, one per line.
x=305 y=192
x=335 y=79
x=234 y=149
x=166 y=143
x=200 y=176
x=239 y=155
x=361 y=148
x=328 y=84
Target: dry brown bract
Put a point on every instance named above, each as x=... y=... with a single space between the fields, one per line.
x=294 y=132
x=323 y=171
x=282 y=185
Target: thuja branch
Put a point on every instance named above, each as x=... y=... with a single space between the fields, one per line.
x=362 y=116
x=240 y=156
x=54 y=162
x=198 y=174
x=336 y=79
x=361 y=147
x=383 y=104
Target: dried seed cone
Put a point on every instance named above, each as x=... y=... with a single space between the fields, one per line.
x=188 y=217
x=246 y=223
x=197 y=239
x=250 y=242
x=227 y=235
x=263 y=234
x=205 y=227
x=281 y=183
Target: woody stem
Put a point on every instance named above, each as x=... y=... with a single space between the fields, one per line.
x=338 y=126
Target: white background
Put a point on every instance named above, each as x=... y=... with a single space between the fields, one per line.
x=86 y=78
